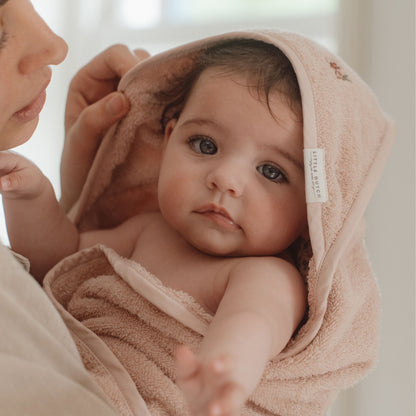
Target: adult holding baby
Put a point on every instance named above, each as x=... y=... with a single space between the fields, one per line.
x=42 y=372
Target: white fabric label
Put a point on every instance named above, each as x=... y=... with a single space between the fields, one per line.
x=315 y=177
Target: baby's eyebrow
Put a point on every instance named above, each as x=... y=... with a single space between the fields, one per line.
x=287 y=155
x=2 y=2
x=294 y=160
x=200 y=122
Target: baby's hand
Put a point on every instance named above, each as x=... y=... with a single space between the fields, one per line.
x=19 y=177
x=208 y=388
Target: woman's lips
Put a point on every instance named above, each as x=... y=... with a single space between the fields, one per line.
x=31 y=111
x=220 y=216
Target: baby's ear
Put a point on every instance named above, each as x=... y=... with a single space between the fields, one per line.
x=169 y=129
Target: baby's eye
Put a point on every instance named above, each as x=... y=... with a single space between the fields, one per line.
x=203 y=145
x=272 y=173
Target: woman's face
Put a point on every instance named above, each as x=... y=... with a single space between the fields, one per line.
x=27 y=47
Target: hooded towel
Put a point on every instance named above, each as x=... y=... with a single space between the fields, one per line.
x=127 y=324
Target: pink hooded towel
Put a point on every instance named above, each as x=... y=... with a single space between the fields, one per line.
x=127 y=324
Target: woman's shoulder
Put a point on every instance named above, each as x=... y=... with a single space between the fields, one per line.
x=9 y=259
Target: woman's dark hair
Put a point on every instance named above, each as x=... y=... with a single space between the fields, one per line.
x=266 y=67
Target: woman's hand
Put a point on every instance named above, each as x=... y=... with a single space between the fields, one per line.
x=93 y=106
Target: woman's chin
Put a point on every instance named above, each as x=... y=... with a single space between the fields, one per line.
x=15 y=135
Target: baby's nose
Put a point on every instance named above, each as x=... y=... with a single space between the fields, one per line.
x=227 y=178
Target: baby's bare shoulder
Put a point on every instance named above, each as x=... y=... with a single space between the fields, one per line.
x=143 y=217
x=137 y=223
x=275 y=268
x=269 y=276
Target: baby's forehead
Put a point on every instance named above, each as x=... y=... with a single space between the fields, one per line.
x=229 y=77
x=215 y=94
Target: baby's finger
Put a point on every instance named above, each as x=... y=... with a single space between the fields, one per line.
x=12 y=182
x=187 y=364
x=220 y=365
x=19 y=178
x=5 y=183
x=9 y=165
x=230 y=402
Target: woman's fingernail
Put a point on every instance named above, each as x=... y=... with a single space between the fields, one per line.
x=116 y=104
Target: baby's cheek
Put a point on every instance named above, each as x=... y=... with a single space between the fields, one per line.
x=171 y=197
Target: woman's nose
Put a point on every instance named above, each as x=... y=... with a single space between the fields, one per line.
x=228 y=178
x=44 y=46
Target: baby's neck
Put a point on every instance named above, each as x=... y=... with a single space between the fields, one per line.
x=164 y=253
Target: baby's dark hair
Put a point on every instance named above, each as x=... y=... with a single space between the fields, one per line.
x=265 y=66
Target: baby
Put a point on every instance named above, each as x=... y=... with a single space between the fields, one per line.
x=231 y=204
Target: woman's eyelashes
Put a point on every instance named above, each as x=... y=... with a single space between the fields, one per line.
x=203 y=145
x=272 y=173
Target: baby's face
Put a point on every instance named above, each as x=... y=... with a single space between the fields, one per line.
x=232 y=180
x=27 y=47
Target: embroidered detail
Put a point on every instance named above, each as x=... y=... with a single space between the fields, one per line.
x=338 y=72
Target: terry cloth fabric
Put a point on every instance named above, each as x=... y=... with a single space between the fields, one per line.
x=346 y=139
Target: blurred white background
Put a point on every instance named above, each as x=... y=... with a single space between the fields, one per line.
x=377 y=38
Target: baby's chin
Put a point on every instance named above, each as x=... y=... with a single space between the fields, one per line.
x=213 y=250
x=218 y=250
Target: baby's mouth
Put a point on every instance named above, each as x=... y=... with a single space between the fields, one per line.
x=218 y=215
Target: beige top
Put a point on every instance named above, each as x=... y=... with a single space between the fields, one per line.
x=41 y=371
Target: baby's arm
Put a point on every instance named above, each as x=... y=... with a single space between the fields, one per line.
x=263 y=304
x=36 y=225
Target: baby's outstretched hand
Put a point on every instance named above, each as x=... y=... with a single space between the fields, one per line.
x=208 y=388
x=19 y=177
